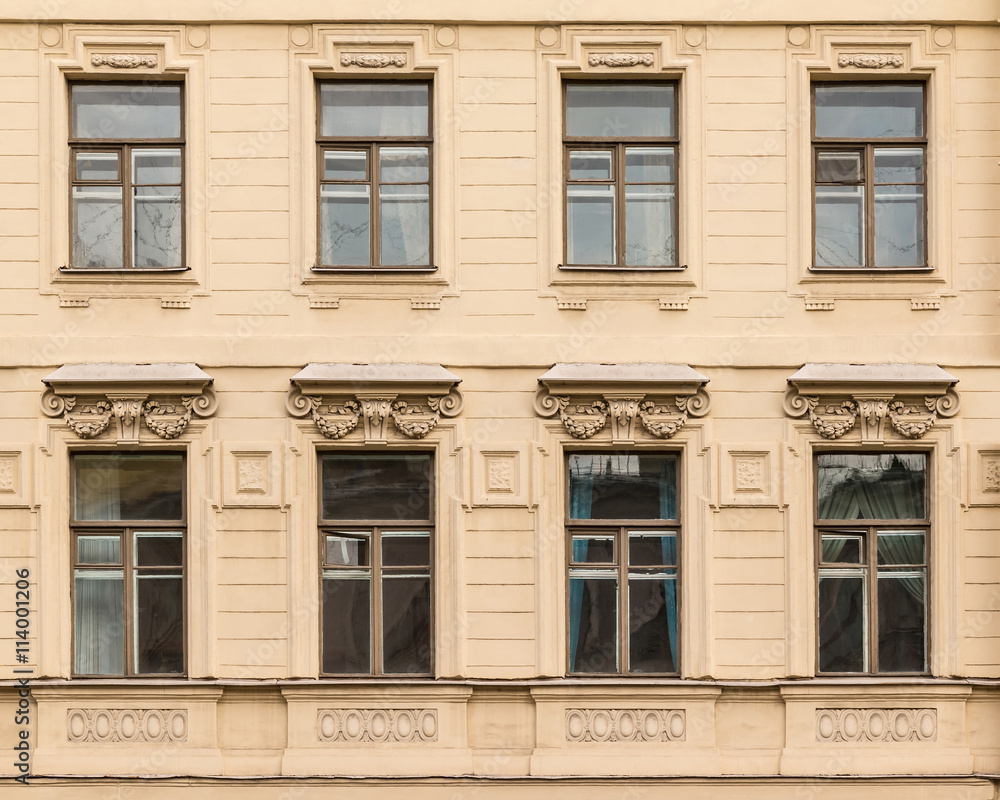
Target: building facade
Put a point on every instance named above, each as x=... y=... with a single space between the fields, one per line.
x=564 y=397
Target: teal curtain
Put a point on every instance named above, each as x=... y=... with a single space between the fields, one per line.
x=581 y=495
x=668 y=510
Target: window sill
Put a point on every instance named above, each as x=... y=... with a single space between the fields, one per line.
x=906 y=272
x=374 y=270
x=617 y=268
x=122 y=270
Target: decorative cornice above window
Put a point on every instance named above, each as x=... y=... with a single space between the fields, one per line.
x=164 y=396
x=659 y=397
x=340 y=396
x=835 y=397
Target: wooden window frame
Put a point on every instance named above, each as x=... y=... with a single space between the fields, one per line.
x=617 y=145
x=371 y=146
x=867 y=147
x=125 y=530
x=375 y=528
x=620 y=529
x=870 y=567
x=123 y=147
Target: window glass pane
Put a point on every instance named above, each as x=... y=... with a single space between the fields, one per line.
x=97 y=166
x=156 y=220
x=124 y=486
x=649 y=226
x=406 y=225
x=619 y=110
x=843 y=623
x=651 y=549
x=590 y=165
x=900 y=547
x=99 y=622
x=840 y=226
x=839 y=167
x=159 y=624
x=346 y=624
x=843 y=550
x=126 y=111
x=871 y=485
x=869 y=111
x=406 y=625
x=97 y=227
x=386 y=487
x=374 y=109
x=99 y=550
x=162 y=165
x=899 y=226
x=593 y=624
x=594 y=549
x=622 y=486
x=347 y=550
x=159 y=549
x=406 y=550
x=649 y=164
x=901 y=622
x=404 y=164
x=590 y=224
x=899 y=165
x=652 y=624
x=344 y=217
x=345 y=165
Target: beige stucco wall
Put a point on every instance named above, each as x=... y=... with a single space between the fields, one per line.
x=498 y=313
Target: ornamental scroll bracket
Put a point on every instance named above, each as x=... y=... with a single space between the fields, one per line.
x=164 y=397
x=341 y=398
x=906 y=399
x=638 y=400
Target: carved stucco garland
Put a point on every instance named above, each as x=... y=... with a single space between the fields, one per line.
x=832 y=421
x=583 y=420
x=373 y=60
x=123 y=60
x=620 y=59
x=870 y=60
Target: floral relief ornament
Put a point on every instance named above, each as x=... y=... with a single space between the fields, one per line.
x=583 y=420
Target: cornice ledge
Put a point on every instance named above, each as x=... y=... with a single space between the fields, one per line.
x=339 y=396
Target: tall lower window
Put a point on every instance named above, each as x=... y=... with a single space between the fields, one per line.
x=869 y=166
x=873 y=531
x=128 y=563
x=623 y=529
x=374 y=175
x=126 y=176
x=376 y=547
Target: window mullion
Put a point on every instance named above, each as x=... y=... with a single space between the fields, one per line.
x=623 y=607
x=126 y=179
x=872 y=644
x=375 y=623
x=619 y=184
x=128 y=574
x=870 y=205
x=375 y=232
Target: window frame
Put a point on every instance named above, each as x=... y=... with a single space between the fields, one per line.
x=371 y=145
x=124 y=147
x=867 y=148
x=620 y=529
x=377 y=526
x=617 y=147
x=126 y=529
x=870 y=566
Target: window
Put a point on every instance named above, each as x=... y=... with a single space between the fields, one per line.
x=872 y=531
x=126 y=176
x=621 y=175
x=869 y=168
x=376 y=548
x=374 y=175
x=128 y=564
x=622 y=531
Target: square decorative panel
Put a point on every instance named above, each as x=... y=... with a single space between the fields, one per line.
x=251 y=475
x=498 y=476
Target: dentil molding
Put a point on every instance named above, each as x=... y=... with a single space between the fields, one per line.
x=163 y=396
x=374 y=398
x=911 y=398
x=653 y=400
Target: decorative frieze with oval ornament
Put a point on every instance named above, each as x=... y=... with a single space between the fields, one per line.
x=639 y=400
x=837 y=398
x=625 y=725
x=362 y=725
x=89 y=397
x=374 y=398
x=113 y=725
x=837 y=725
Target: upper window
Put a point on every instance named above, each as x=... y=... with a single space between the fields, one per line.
x=873 y=531
x=869 y=170
x=621 y=175
x=374 y=175
x=622 y=535
x=375 y=540
x=126 y=176
x=128 y=564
